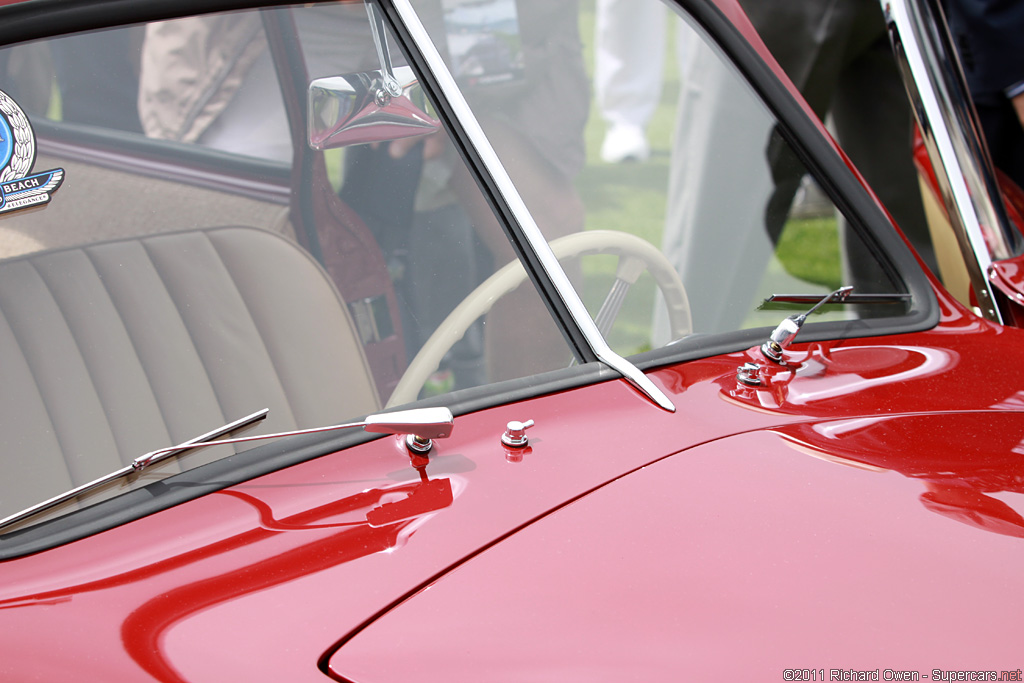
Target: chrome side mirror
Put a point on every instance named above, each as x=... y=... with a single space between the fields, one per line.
x=372 y=106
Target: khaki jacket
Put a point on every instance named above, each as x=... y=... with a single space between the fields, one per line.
x=191 y=68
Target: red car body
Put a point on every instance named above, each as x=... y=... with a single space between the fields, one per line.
x=852 y=518
x=714 y=546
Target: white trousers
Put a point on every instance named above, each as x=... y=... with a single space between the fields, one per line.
x=629 y=52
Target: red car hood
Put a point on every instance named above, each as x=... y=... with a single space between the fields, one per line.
x=733 y=528
x=816 y=546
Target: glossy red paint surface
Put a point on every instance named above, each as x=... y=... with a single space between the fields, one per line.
x=738 y=560
x=261 y=581
x=1008 y=276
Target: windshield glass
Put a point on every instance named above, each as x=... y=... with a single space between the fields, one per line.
x=209 y=216
x=242 y=216
x=628 y=134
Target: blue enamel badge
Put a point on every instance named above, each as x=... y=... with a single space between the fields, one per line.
x=19 y=187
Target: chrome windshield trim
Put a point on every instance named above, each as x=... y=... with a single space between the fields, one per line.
x=938 y=94
x=477 y=139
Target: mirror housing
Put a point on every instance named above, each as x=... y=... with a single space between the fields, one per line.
x=365 y=107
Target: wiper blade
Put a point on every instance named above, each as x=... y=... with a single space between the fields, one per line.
x=849 y=298
x=135 y=466
x=421 y=425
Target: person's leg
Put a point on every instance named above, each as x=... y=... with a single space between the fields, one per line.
x=629 y=50
x=810 y=41
x=874 y=124
x=1004 y=137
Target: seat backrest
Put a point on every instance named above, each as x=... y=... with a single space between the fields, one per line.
x=114 y=349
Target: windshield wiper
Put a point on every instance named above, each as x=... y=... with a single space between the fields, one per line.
x=135 y=466
x=421 y=425
x=849 y=298
x=783 y=335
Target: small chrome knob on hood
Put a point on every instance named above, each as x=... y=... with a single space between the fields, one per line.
x=749 y=374
x=515 y=434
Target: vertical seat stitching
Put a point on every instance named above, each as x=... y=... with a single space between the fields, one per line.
x=252 y=318
x=18 y=338
x=184 y=324
x=78 y=348
x=132 y=341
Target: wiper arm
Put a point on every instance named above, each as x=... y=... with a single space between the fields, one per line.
x=421 y=425
x=136 y=465
x=783 y=335
x=849 y=298
x=144 y=461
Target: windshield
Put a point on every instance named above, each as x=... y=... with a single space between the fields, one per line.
x=630 y=134
x=208 y=216
x=200 y=260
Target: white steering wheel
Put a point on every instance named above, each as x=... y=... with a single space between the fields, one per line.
x=635 y=256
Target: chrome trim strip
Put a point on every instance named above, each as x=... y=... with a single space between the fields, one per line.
x=510 y=195
x=940 y=102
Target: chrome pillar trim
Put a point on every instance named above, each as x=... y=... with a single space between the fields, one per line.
x=633 y=375
x=510 y=195
x=931 y=72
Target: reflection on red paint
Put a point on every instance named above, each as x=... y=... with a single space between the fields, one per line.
x=963 y=460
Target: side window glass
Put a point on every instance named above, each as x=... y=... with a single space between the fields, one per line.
x=210 y=80
x=89 y=79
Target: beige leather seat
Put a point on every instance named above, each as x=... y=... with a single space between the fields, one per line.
x=111 y=350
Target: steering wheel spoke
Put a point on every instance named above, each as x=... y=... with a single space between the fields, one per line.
x=613 y=302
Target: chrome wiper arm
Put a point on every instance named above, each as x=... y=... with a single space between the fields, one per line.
x=136 y=465
x=143 y=461
x=783 y=335
x=421 y=425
